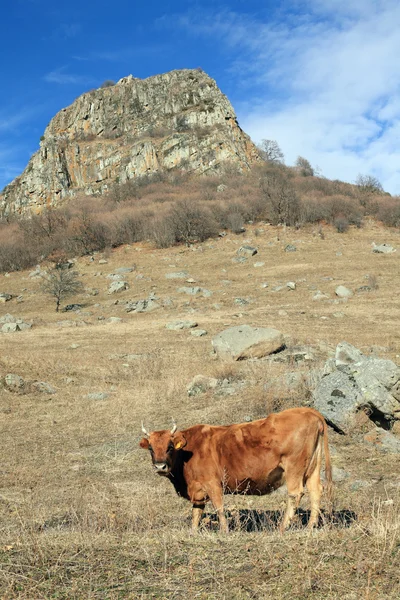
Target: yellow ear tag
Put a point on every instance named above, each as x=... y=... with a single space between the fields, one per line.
x=178 y=445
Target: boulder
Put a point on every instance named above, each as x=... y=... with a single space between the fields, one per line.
x=5 y=297
x=383 y=440
x=14 y=383
x=353 y=382
x=10 y=327
x=177 y=275
x=118 y=286
x=343 y=292
x=243 y=342
x=382 y=248
x=42 y=387
x=176 y=325
x=247 y=251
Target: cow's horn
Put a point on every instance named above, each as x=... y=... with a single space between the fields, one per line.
x=146 y=433
x=174 y=427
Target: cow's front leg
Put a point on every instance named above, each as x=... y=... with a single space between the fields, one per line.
x=217 y=498
x=197 y=513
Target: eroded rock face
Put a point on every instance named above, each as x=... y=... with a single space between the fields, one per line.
x=136 y=127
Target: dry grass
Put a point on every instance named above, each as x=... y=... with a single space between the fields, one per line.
x=81 y=513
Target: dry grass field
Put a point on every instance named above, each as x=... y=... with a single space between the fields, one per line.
x=81 y=513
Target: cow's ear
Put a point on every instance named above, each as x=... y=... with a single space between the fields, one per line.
x=179 y=441
x=144 y=443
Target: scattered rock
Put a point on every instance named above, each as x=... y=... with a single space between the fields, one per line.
x=123 y=270
x=177 y=275
x=382 y=248
x=320 y=296
x=243 y=341
x=290 y=248
x=239 y=259
x=10 y=328
x=201 y=384
x=118 y=286
x=241 y=301
x=5 y=297
x=194 y=290
x=41 y=387
x=383 y=440
x=343 y=292
x=355 y=382
x=140 y=306
x=14 y=383
x=97 y=396
x=176 y=325
x=114 y=320
x=103 y=261
x=73 y=307
x=259 y=264
x=198 y=332
x=222 y=187
x=291 y=285
x=247 y=251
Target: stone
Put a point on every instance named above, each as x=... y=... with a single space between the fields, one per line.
x=290 y=248
x=198 y=332
x=14 y=383
x=123 y=270
x=103 y=261
x=244 y=341
x=141 y=306
x=383 y=440
x=291 y=285
x=258 y=264
x=194 y=290
x=222 y=187
x=118 y=286
x=10 y=328
x=247 y=251
x=382 y=248
x=177 y=120
x=5 y=297
x=41 y=387
x=176 y=325
x=114 y=320
x=97 y=396
x=201 y=384
x=320 y=296
x=241 y=301
x=338 y=399
x=73 y=307
x=177 y=275
x=343 y=292
x=346 y=354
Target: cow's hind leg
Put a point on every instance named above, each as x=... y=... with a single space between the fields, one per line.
x=197 y=513
x=295 y=493
x=314 y=488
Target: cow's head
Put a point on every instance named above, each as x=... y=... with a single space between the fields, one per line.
x=163 y=446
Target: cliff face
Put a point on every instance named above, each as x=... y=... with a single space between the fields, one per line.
x=133 y=128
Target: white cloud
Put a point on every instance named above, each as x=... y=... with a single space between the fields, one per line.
x=327 y=81
x=60 y=76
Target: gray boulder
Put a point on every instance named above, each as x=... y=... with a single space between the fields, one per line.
x=5 y=297
x=177 y=275
x=353 y=382
x=118 y=286
x=382 y=248
x=10 y=328
x=343 y=292
x=383 y=440
x=247 y=251
x=14 y=383
x=176 y=325
x=243 y=342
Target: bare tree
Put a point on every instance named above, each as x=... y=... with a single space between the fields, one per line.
x=282 y=200
x=271 y=152
x=304 y=167
x=369 y=184
x=61 y=283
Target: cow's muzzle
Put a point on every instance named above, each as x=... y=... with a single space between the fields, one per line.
x=162 y=468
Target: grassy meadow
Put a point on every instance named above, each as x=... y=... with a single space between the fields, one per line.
x=82 y=516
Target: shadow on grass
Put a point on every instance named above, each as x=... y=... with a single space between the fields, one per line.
x=268 y=520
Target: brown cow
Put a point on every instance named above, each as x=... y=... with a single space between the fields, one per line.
x=203 y=462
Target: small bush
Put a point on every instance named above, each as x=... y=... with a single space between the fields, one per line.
x=107 y=83
x=341 y=224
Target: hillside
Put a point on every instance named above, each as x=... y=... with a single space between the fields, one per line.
x=82 y=513
x=122 y=132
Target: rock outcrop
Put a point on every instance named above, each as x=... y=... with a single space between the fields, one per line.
x=134 y=128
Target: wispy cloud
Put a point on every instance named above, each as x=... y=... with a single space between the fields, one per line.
x=61 y=76
x=322 y=80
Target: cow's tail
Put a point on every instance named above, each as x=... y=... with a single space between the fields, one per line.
x=328 y=468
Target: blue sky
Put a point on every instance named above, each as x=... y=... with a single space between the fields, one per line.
x=322 y=77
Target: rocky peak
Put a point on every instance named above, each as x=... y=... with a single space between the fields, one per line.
x=134 y=128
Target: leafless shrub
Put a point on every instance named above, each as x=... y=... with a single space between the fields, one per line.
x=191 y=223
x=284 y=204
x=61 y=283
x=341 y=224
x=389 y=212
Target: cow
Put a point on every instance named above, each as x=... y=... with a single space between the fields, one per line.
x=205 y=461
